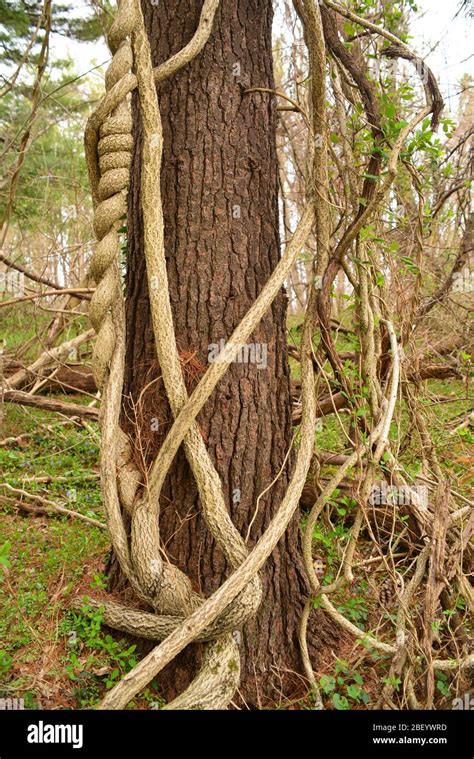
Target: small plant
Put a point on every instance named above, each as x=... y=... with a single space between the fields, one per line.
x=6 y=662
x=395 y=682
x=109 y=659
x=4 y=558
x=355 y=609
x=344 y=687
x=442 y=684
x=99 y=582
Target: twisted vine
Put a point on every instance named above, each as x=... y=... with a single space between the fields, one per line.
x=181 y=614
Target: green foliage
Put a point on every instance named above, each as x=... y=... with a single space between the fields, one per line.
x=355 y=607
x=6 y=662
x=95 y=657
x=18 y=20
x=395 y=682
x=52 y=192
x=88 y=628
x=53 y=175
x=345 y=687
x=4 y=560
x=442 y=684
x=47 y=560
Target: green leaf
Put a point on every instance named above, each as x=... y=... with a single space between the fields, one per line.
x=327 y=683
x=340 y=702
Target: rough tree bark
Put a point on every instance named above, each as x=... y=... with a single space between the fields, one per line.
x=219 y=184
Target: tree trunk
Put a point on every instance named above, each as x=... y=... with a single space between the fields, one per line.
x=219 y=184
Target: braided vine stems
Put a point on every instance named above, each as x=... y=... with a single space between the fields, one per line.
x=181 y=615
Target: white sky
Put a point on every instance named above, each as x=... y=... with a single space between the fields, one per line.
x=443 y=37
x=436 y=28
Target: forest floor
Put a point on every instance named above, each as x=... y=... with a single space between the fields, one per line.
x=55 y=658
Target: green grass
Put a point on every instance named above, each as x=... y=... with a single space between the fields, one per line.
x=55 y=658
x=51 y=656
x=47 y=560
x=25 y=322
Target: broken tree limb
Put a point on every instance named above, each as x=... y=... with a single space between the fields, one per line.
x=67 y=290
x=47 y=358
x=48 y=506
x=51 y=404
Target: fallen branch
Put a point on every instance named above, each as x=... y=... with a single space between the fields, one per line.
x=30 y=274
x=69 y=378
x=49 y=506
x=48 y=357
x=65 y=291
x=51 y=404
